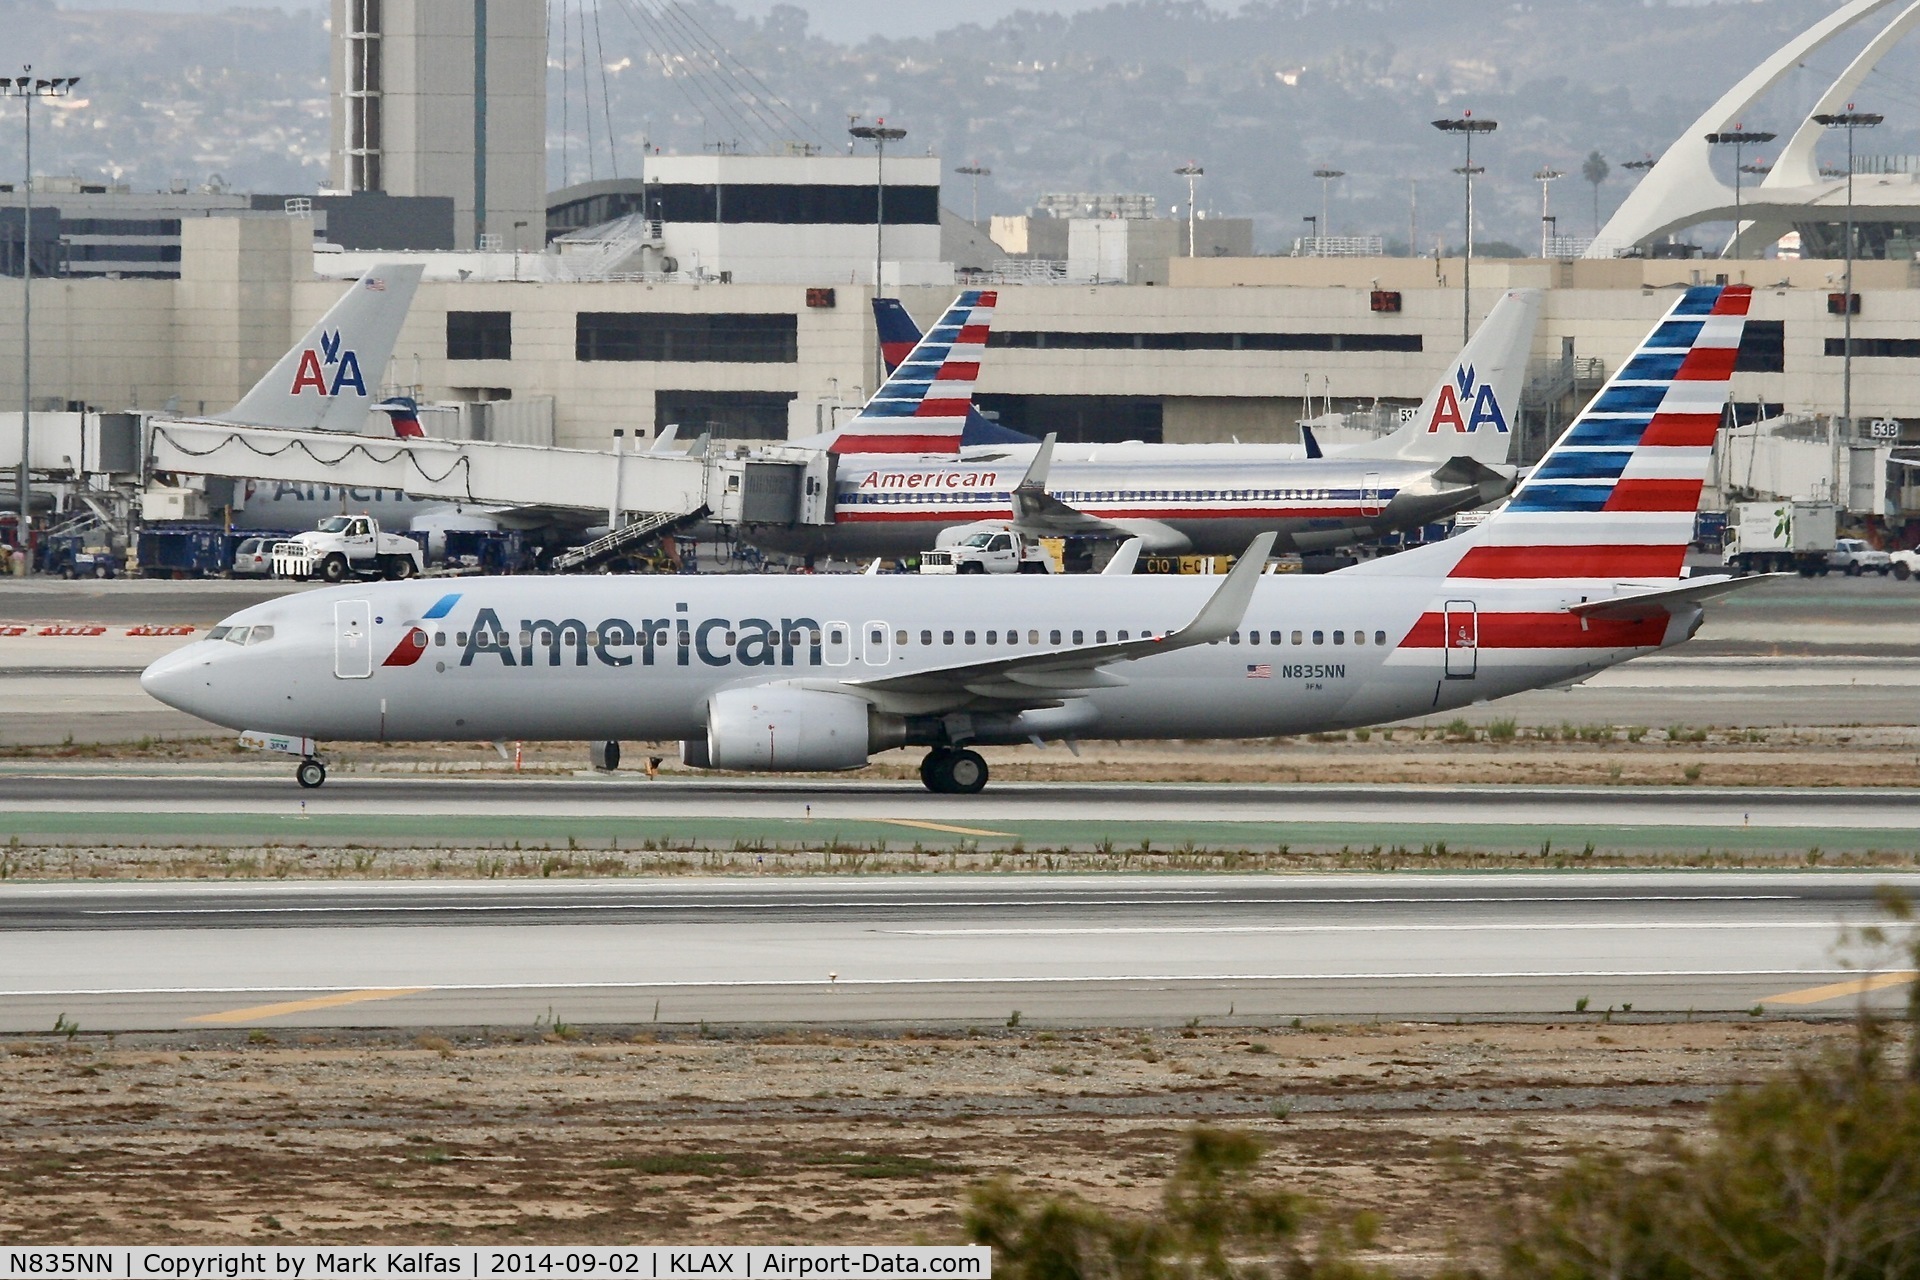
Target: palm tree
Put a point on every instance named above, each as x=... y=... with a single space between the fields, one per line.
x=1595 y=170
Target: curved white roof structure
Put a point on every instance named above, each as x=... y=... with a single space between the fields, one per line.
x=1682 y=189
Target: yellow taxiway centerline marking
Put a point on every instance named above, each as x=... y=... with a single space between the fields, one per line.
x=941 y=826
x=307 y=1006
x=1833 y=991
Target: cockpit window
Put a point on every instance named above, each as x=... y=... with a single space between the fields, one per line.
x=238 y=635
x=260 y=635
x=218 y=633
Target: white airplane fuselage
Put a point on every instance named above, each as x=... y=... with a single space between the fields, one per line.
x=568 y=659
x=1201 y=502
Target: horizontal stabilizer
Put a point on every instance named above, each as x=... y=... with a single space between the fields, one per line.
x=1648 y=604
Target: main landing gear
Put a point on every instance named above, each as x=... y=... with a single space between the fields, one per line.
x=953 y=772
x=310 y=773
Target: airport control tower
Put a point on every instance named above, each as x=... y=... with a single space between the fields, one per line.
x=445 y=98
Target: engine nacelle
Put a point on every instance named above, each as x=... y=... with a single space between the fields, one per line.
x=778 y=729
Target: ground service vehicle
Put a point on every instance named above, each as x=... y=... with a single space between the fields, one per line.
x=347 y=547
x=1854 y=556
x=253 y=558
x=988 y=551
x=1905 y=564
x=1780 y=537
x=1582 y=569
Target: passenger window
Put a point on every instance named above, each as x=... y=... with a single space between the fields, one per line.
x=813 y=637
x=839 y=636
x=1033 y=637
x=970 y=639
x=899 y=637
x=1079 y=637
x=993 y=637
x=1319 y=637
x=1339 y=637
x=1359 y=637
x=686 y=639
x=946 y=637
x=1121 y=634
x=1234 y=638
x=1379 y=637
x=1273 y=637
x=877 y=637
x=926 y=638
x=526 y=638
x=1053 y=637
x=460 y=638
x=1099 y=637
x=1253 y=637
x=440 y=638
x=1296 y=638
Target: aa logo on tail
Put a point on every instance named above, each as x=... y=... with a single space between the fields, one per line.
x=344 y=363
x=1469 y=409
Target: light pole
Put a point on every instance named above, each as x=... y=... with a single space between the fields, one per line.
x=1739 y=139
x=27 y=87
x=1326 y=177
x=975 y=172
x=1466 y=126
x=1192 y=173
x=1848 y=120
x=1543 y=177
x=881 y=133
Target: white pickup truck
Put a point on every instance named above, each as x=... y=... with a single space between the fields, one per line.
x=988 y=551
x=1855 y=556
x=347 y=547
x=1905 y=564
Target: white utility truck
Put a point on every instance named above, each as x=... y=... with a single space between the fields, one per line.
x=347 y=547
x=1781 y=537
x=997 y=550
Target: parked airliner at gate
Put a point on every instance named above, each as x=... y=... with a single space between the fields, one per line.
x=1581 y=569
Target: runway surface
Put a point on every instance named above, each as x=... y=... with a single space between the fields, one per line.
x=198 y=805
x=951 y=949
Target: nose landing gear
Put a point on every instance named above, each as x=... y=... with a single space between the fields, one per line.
x=948 y=771
x=310 y=773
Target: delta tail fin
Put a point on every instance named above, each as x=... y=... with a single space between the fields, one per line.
x=1471 y=411
x=330 y=380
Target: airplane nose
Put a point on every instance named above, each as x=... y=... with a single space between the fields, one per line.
x=172 y=678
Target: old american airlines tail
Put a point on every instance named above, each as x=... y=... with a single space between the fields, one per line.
x=1581 y=569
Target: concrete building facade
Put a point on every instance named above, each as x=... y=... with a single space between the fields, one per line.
x=444 y=98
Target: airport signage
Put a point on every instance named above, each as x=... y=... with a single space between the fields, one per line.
x=1884 y=429
x=653 y=1262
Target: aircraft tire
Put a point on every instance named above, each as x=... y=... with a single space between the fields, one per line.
x=334 y=569
x=930 y=768
x=310 y=774
x=964 y=772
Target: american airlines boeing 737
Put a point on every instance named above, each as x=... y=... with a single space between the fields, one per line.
x=1581 y=569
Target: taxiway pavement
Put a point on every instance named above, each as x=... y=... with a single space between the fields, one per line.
x=1108 y=949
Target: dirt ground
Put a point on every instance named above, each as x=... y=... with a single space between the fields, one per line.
x=1496 y=754
x=546 y=1135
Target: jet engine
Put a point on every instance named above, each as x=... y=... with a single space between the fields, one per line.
x=775 y=728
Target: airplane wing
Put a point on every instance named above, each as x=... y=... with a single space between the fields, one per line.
x=1046 y=678
x=1648 y=604
x=1039 y=514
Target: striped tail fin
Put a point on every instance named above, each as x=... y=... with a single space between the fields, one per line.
x=1614 y=499
x=922 y=407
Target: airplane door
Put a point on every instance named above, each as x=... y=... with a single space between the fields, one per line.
x=1461 y=620
x=352 y=639
x=877 y=647
x=1370 y=494
x=837 y=649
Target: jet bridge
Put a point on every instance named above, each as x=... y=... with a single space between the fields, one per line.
x=774 y=485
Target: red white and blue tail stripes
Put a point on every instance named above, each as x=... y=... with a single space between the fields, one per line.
x=922 y=407
x=1615 y=497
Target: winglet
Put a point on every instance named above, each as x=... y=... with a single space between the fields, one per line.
x=1124 y=559
x=1220 y=616
x=1035 y=481
x=1310 y=442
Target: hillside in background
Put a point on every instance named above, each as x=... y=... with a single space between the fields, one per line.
x=1109 y=99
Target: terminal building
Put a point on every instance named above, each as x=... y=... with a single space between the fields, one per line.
x=729 y=295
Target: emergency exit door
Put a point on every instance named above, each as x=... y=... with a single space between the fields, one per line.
x=352 y=639
x=1461 y=620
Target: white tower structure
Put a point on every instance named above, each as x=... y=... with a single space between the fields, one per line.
x=1682 y=190
x=444 y=98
